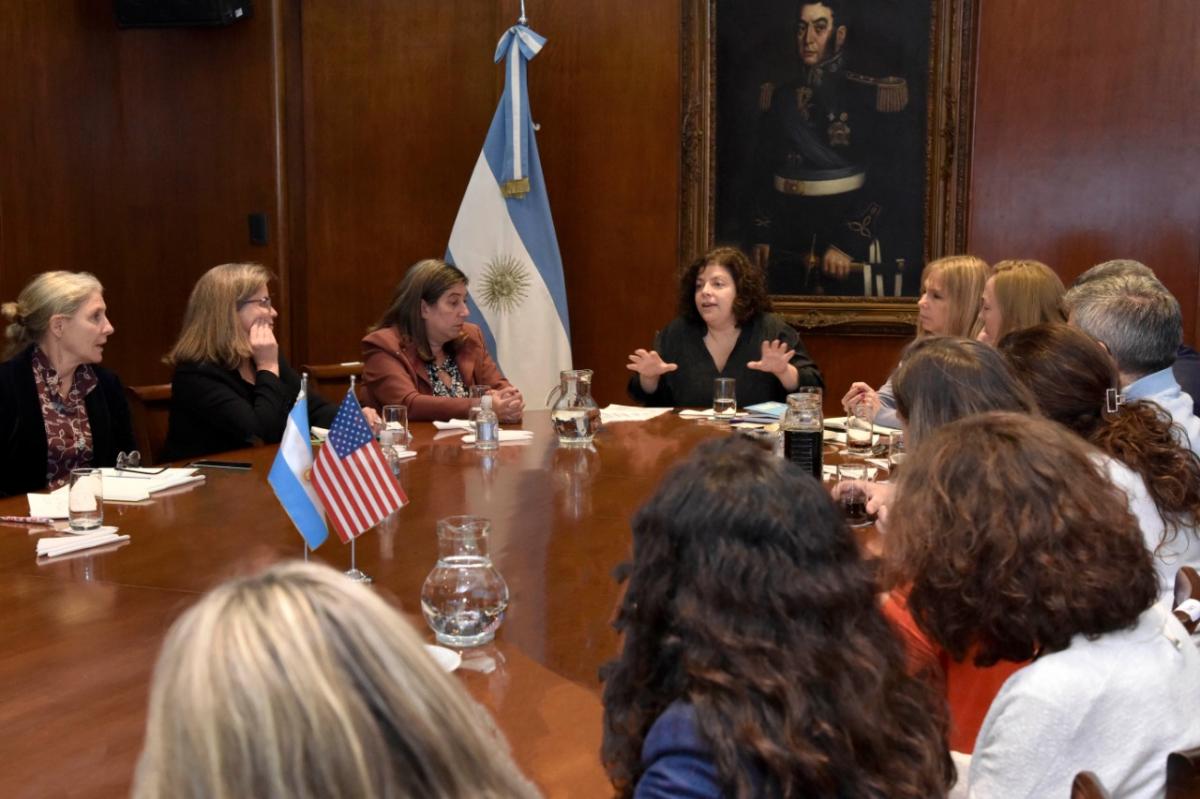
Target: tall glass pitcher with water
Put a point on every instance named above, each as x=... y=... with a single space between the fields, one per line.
x=464 y=597
x=575 y=415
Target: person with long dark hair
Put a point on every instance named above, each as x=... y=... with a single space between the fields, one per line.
x=425 y=355
x=725 y=328
x=1076 y=384
x=1014 y=546
x=756 y=661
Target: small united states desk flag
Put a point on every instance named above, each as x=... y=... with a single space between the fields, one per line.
x=352 y=477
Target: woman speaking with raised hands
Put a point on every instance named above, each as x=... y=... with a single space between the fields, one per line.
x=724 y=329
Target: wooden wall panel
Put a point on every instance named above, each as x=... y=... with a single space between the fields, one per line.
x=1087 y=138
x=846 y=359
x=606 y=92
x=135 y=155
x=397 y=100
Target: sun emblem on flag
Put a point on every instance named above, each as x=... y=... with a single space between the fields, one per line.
x=505 y=284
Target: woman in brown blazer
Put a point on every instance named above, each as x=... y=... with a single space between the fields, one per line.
x=424 y=354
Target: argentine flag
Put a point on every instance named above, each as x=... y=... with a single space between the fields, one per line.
x=290 y=476
x=503 y=240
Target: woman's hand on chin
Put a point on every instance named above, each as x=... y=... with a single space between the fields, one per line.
x=264 y=349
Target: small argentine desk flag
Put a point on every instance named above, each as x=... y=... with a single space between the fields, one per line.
x=503 y=239
x=291 y=474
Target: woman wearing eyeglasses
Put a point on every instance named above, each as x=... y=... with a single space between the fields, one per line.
x=59 y=410
x=232 y=388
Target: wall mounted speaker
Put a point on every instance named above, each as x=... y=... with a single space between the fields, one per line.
x=181 y=13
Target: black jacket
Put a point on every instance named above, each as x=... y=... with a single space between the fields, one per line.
x=214 y=410
x=682 y=342
x=23 y=429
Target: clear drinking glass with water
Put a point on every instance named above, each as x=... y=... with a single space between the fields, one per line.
x=724 y=398
x=860 y=428
x=476 y=394
x=393 y=435
x=464 y=598
x=85 y=500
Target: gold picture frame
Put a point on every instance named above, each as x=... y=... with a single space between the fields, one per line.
x=949 y=110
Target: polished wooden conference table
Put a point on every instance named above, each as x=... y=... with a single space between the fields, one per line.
x=81 y=633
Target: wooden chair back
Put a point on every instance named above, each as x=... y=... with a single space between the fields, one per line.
x=332 y=380
x=150 y=410
x=1187 y=598
x=1183 y=774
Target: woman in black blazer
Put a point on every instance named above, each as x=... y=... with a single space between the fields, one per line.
x=58 y=410
x=232 y=387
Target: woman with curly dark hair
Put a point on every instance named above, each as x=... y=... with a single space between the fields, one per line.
x=756 y=661
x=1015 y=546
x=724 y=329
x=1076 y=384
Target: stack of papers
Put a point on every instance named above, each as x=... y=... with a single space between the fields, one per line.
x=53 y=547
x=129 y=486
x=509 y=436
x=119 y=486
x=454 y=424
x=688 y=413
x=629 y=413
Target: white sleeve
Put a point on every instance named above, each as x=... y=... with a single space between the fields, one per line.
x=1023 y=750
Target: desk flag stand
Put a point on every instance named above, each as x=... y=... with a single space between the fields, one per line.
x=355 y=574
x=304 y=394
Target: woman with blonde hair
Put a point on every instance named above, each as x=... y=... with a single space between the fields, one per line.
x=59 y=410
x=951 y=288
x=424 y=354
x=232 y=388
x=299 y=683
x=1019 y=294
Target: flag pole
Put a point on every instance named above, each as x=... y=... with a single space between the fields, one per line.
x=304 y=394
x=522 y=20
x=354 y=573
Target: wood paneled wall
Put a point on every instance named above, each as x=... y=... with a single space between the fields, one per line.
x=354 y=126
x=397 y=101
x=135 y=155
x=1087 y=137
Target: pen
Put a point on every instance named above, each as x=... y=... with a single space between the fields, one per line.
x=27 y=519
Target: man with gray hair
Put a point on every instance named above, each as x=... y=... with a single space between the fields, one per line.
x=1187 y=360
x=1139 y=322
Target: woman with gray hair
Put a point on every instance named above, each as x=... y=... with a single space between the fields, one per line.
x=299 y=683
x=58 y=410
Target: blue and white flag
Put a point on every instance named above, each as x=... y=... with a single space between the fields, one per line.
x=503 y=239
x=291 y=476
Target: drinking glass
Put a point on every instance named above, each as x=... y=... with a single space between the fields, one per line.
x=394 y=436
x=724 y=398
x=85 y=500
x=476 y=395
x=853 y=498
x=860 y=428
x=896 y=449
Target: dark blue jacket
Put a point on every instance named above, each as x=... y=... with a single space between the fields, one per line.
x=678 y=763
